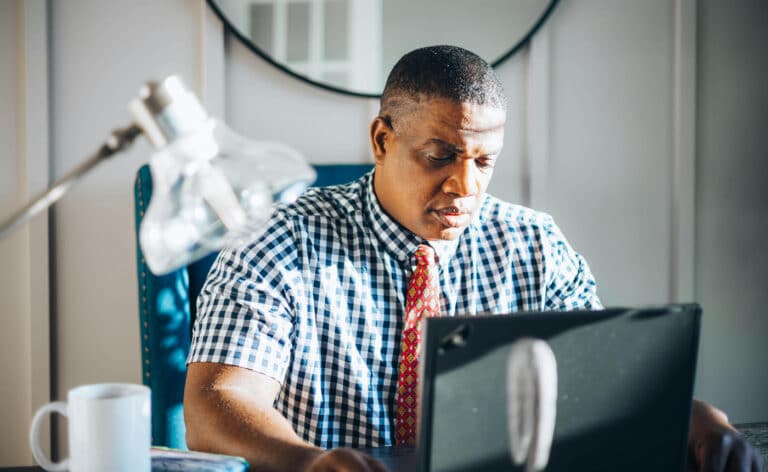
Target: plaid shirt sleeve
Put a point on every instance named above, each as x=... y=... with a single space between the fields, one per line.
x=246 y=308
x=570 y=284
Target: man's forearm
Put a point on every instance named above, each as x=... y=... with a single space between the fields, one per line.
x=228 y=421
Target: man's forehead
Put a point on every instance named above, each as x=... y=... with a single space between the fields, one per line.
x=462 y=116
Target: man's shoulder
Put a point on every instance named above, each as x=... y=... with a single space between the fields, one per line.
x=326 y=203
x=316 y=215
x=505 y=216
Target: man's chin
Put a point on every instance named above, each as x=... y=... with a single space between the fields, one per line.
x=448 y=234
x=434 y=231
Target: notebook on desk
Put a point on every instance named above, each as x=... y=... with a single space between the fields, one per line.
x=625 y=383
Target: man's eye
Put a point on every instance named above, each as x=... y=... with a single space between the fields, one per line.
x=486 y=163
x=441 y=159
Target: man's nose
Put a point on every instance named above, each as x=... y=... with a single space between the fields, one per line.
x=462 y=179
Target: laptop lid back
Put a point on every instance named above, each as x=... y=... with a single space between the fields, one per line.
x=625 y=383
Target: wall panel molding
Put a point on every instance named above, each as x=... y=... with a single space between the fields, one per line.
x=683 y=224
x=212 y=62
x=537 y=122
x=24 y=255
x=35 y=130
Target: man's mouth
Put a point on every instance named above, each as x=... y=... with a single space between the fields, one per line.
x=452 y=216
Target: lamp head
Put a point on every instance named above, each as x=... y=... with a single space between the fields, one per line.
x=211 y=187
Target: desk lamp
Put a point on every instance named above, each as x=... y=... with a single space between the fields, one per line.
x=211 y=187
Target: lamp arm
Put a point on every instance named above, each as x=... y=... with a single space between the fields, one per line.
x=118 y=141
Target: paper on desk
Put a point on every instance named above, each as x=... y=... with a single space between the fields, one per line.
x=165 y=459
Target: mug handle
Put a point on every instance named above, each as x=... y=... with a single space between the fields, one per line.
x=34 y=433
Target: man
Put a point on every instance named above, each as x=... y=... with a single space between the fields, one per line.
x=298 y=343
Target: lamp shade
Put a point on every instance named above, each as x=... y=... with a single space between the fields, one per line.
x=211 y=187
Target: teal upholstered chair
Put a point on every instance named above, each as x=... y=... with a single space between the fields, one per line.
x=167 y=312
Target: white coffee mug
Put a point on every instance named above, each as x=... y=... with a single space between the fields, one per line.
x=109 y=429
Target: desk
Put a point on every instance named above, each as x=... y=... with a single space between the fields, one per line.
x=404 y=459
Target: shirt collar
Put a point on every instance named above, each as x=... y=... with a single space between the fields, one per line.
x=445 y=250
x=395 y=238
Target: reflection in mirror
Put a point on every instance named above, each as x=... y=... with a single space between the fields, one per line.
x=352 y=44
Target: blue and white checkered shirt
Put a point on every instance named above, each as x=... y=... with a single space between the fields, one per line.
x=317 y=302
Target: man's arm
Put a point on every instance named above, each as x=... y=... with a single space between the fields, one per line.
x=229 y=410
x=570 y=284
x=715 y=445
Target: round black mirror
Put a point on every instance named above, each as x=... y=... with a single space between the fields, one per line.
x=349 y=46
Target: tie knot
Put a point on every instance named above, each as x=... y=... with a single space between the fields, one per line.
x=425 y=255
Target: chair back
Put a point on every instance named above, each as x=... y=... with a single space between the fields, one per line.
x=167 y=312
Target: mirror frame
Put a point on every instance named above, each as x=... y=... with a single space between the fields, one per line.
x=230 y=28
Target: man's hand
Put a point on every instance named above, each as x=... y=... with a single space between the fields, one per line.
x=229 y=410
x=716 y=446
x=345 y=460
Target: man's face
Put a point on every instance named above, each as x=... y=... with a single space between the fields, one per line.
x=434 y=165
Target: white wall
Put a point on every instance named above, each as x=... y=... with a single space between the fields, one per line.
x=732 y=205
x=405 y=23
x=590 y=138
x=611 y=144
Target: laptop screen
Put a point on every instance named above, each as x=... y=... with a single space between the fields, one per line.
x=625 y=384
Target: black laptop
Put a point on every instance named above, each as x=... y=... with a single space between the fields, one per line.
x=625 y=383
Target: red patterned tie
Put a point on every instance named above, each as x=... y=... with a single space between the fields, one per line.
x=423 y=301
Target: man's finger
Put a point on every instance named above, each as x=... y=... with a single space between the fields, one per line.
x=340 y=460
x=375 y=465
x=739 y=458
x=351 y=461
x=712 y=456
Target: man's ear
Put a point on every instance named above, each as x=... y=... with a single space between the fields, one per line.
x=381 y=134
